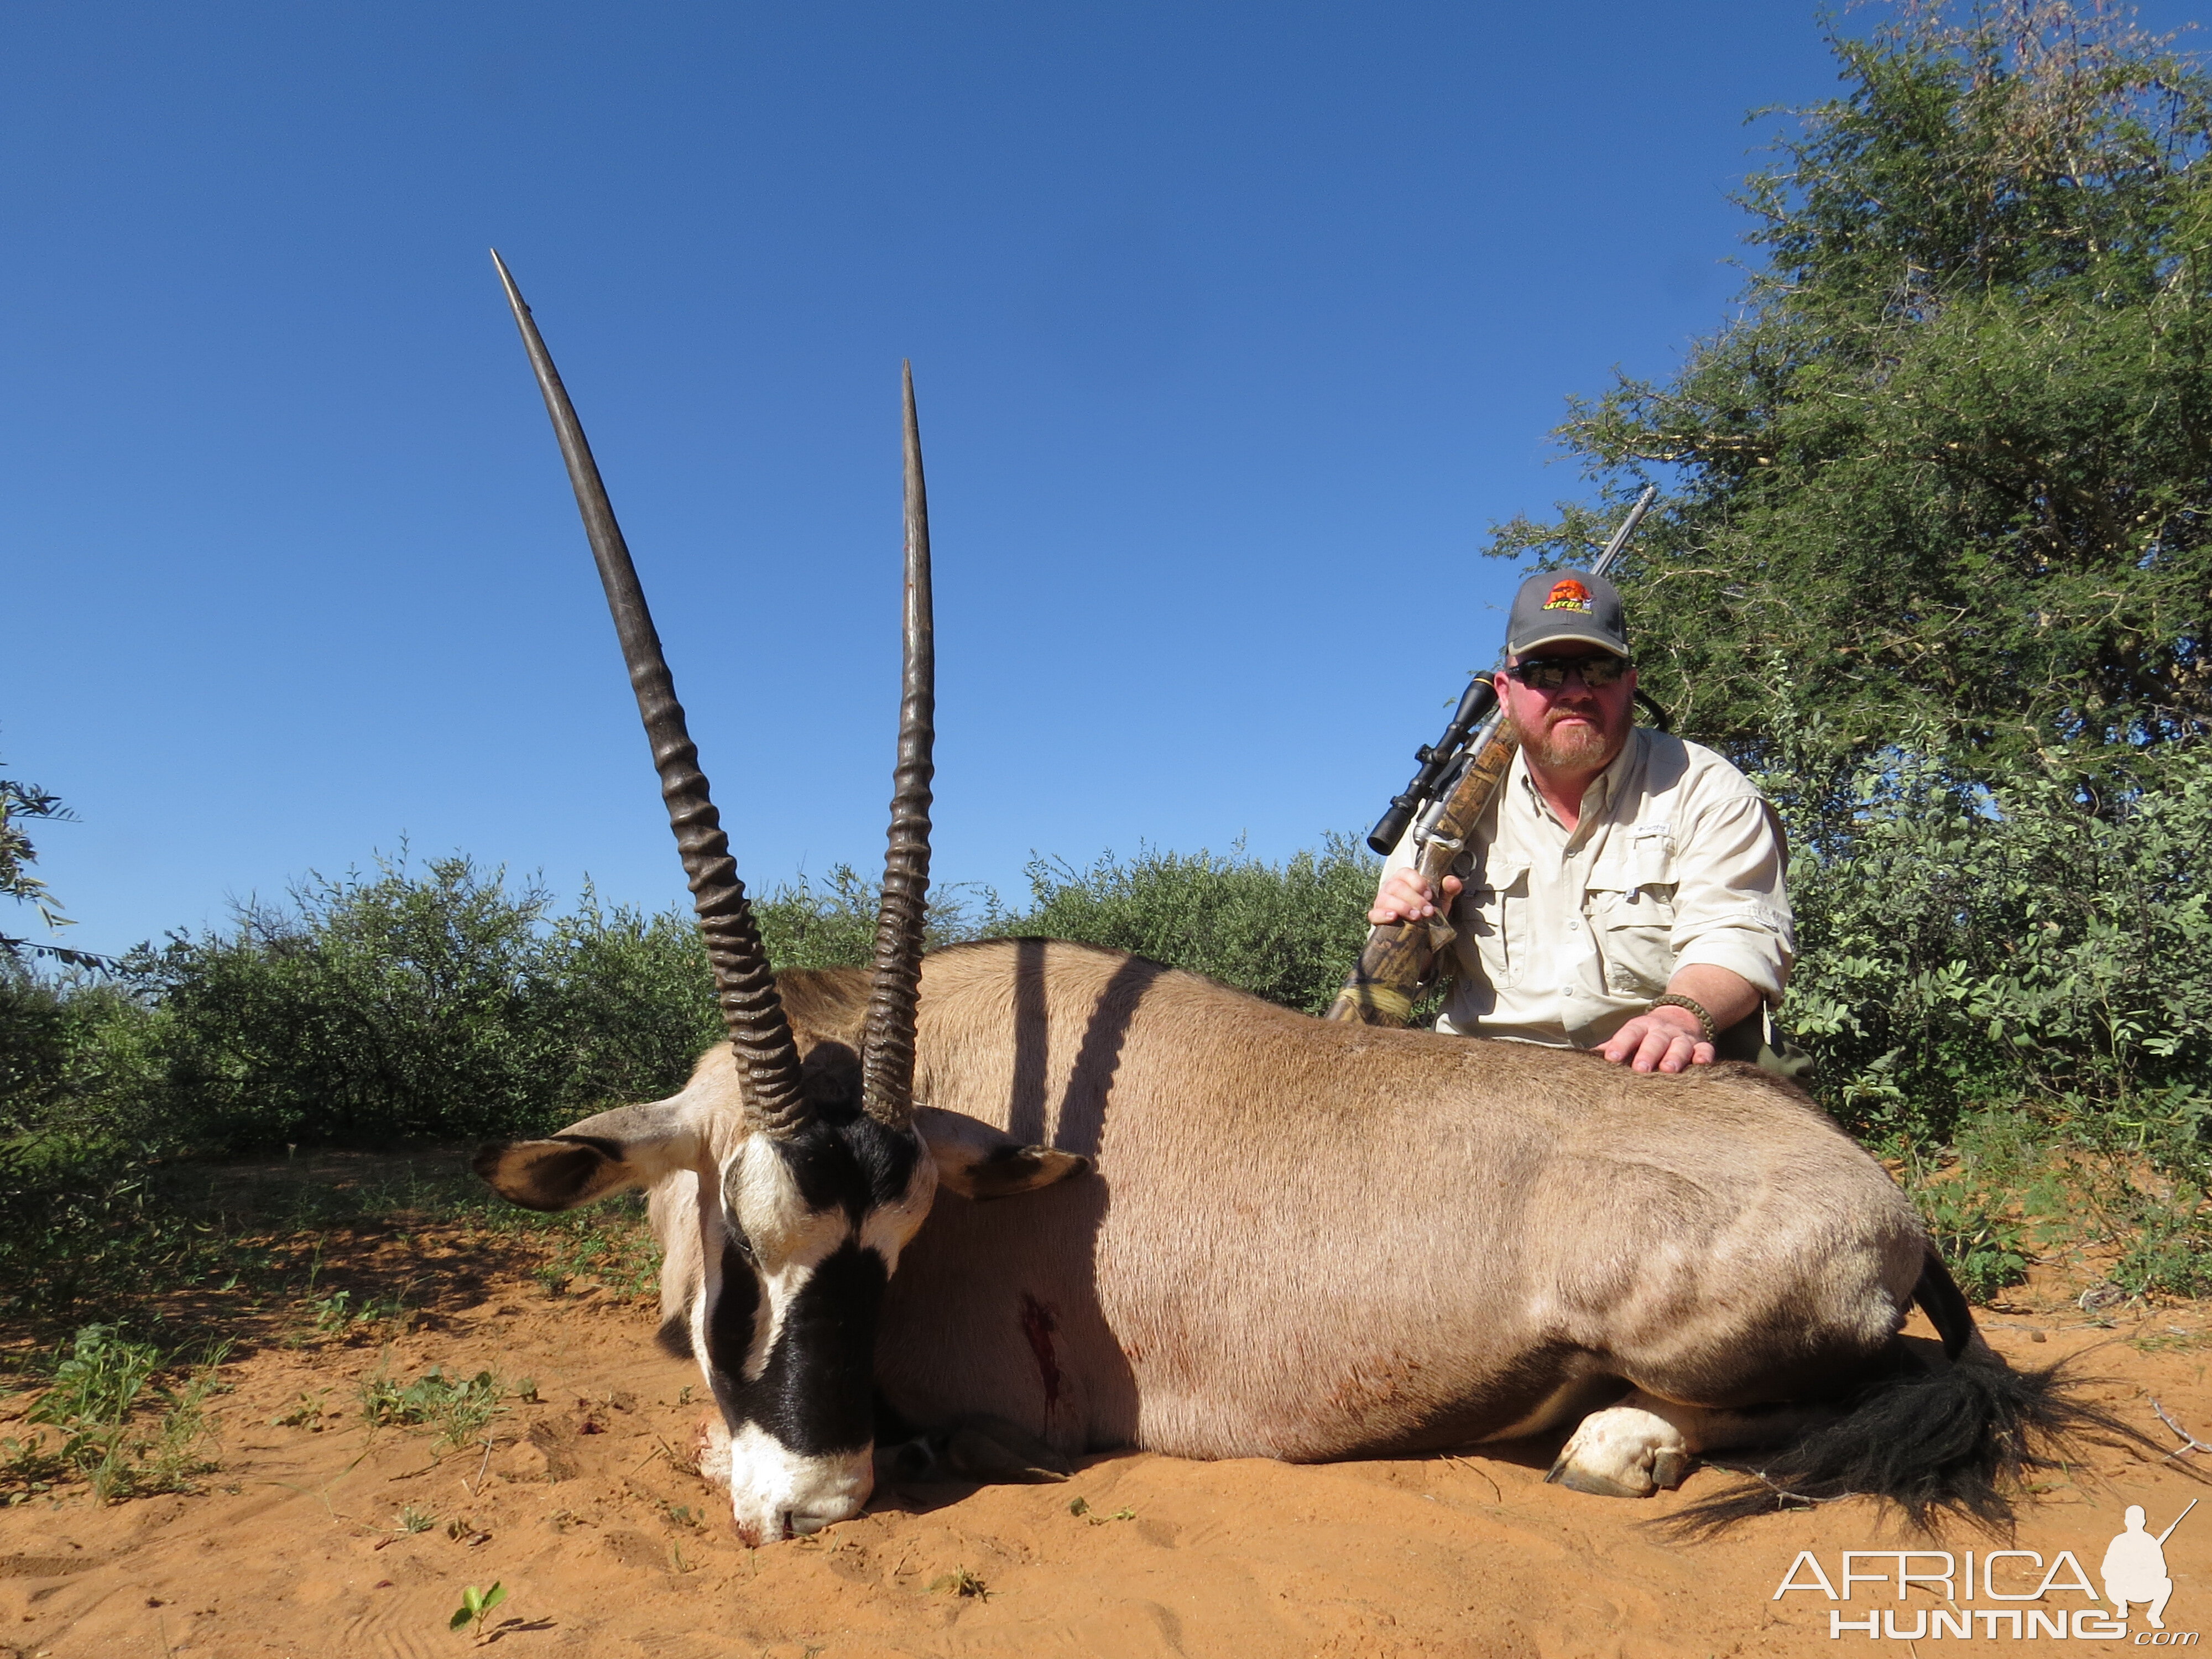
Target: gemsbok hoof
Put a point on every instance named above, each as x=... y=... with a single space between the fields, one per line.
x=989 y=1450
x=999 y=1452
x=1622 y=1452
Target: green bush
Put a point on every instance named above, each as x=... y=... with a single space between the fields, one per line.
x=442 y=1001
x=1963 y=948
x=373 y=1009
x=437 y=1002
x=804 y=926
x=78 y=1038
x=34 y=1043
x=1289 y=932
x=73 y=1216
x=626 y=1003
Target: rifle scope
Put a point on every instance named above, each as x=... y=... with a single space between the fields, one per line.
x=1475 y=706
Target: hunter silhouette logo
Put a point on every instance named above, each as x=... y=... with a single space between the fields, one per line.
x=2133 y=1569
x=1568 y=596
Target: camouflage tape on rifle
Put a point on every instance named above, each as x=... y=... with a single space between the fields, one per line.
x=1356 y=1002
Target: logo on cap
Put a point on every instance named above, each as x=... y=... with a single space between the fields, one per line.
x=1568 y=596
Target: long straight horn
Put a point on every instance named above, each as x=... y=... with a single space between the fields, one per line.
x=887 y=1076
x=768 y=1061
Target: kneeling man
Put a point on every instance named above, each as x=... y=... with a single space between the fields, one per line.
x=1624 y=890
x=2134 y=1570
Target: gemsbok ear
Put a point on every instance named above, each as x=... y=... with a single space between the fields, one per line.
x=629 y=1147
x=554 y=1174
x=976 y=1161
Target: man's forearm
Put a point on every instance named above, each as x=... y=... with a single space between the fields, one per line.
x=1724 y=994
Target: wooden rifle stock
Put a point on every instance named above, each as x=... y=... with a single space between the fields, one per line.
x=1396 y=959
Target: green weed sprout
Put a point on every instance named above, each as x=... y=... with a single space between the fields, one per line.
x=457 y=1406
x=475 y=1604
x=1081 y=1506
x=94 y=1391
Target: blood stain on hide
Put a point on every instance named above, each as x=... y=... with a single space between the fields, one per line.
x=1038 y=1325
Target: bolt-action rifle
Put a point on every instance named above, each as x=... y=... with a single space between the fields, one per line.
x=1460 y=772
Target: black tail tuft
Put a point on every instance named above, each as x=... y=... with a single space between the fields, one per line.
x=1939 y=1443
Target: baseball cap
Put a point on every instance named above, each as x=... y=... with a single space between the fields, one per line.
x=1556 y=605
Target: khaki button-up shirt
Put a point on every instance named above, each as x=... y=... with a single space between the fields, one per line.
x=1563 y=939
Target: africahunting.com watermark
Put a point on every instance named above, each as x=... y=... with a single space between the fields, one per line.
x=2029 y=1597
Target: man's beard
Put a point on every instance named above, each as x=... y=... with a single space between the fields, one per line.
x=1566 y=748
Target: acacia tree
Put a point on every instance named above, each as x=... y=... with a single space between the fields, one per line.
x=1948 y=473
x=1936 y=562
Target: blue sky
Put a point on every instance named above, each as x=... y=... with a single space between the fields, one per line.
x=1234 y=328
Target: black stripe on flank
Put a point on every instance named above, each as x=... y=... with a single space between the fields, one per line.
x=674 y=1337
x=814 y=1395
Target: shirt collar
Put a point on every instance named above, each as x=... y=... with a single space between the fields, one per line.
x=1599 y=796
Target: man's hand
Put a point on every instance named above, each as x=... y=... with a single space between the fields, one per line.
x=1667 y=1039
x=1405 y=896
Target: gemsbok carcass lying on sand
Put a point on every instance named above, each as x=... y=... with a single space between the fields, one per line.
x=1178 y=1218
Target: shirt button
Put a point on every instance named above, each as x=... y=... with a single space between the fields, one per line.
x=1573 y=925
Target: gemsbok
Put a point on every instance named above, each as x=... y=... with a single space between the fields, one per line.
x=1073 y=1196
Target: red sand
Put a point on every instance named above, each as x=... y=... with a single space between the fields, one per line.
x=608 y=1548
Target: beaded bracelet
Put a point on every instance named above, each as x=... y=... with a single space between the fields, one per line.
x=1673 y=999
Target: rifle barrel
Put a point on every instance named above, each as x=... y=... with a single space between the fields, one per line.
x=2177 y=1519
x=1475 y=706
x=1627 y=529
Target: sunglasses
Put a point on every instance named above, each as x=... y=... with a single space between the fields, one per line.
x=1550 y=673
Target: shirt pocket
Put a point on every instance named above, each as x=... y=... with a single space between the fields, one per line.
x=1631 y=906
x=1494 y=915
